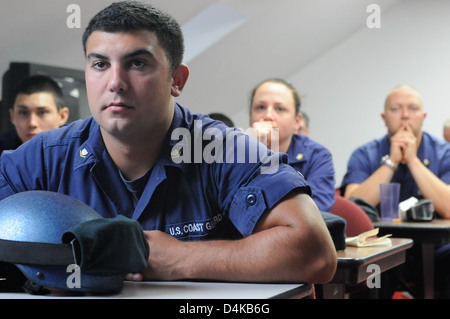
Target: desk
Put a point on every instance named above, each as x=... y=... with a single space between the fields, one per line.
x=353 y=263
x=192 y=290
x=427 y=234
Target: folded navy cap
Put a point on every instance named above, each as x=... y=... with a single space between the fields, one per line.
x=109 y=246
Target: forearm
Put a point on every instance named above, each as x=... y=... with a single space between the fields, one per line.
x=431 y=187
x=297 y=249
x=272 y=256
x=369 y=190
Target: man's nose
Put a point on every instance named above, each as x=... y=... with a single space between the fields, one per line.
x=405 y=112
x=33 y=120
x=117 y=80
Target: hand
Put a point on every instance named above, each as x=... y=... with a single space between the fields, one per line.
x=403 y=145
x=163 y=260
x=135 y=277
x=262 y=131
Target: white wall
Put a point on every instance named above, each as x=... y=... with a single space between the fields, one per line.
x=344 y=89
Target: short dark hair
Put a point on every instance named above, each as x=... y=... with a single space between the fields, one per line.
x=295 y=94
x=39 y=84
x=131 y=16
x=221 y=117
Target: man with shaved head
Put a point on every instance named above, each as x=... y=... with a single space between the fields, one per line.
x=407 y=155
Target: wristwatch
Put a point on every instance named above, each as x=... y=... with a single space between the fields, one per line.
x=385 y=160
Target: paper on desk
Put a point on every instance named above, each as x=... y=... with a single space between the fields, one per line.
x=361 y=239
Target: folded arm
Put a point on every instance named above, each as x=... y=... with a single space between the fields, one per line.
x=369 y=190
x=290 y=244
x=428 y=183
x=431 y=187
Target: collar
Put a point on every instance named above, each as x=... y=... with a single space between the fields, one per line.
x=295 y=150
x=182 y=122
x=92 y=150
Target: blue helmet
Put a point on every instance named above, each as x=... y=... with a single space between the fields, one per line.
x=32 y=224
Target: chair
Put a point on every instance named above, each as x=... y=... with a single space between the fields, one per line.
x=357 y=219
x=357 y=222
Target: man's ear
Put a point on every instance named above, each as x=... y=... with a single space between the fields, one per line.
x=11 y=115
x=179 y=79
x=63 y=116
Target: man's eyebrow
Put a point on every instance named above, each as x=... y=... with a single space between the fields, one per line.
x=94 y=55
x=138 y=52
x=25 y=107
x=132 y=54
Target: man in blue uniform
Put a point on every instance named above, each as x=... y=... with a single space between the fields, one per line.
x=409 y=156
x=406 y=155
x=38 y=106
x=144 y=156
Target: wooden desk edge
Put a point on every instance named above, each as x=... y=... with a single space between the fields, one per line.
x=351 y=269
x=434 y=232
x=398 y=244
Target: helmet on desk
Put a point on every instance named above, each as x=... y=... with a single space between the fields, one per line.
x=31 y=250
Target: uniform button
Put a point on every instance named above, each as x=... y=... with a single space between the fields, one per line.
x=251 y=199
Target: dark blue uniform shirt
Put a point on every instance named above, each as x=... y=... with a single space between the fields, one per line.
x=365 y=160
x=205 y=184
x=315 y=163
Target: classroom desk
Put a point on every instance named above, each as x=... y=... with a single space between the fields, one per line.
x=191 y=290
x=427 y=234
x=353 y=264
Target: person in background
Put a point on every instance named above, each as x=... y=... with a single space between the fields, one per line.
x=223 y=118
x=38 y=107
x=304 y=125
x=407 y=155
x=446 y=131
x=225 y=220
x=276 y=104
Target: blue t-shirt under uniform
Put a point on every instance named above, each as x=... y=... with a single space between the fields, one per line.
x=315 y=163
x=433 y=152
x=190 y=193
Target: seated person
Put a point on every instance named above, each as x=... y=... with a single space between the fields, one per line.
x=223 y=118
x=38 y=106
x=304 y=125
x=276 y=104
x=214 y=221
x=446 y=131
x=407 y=155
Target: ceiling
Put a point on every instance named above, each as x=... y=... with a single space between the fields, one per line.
x=235 y=43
